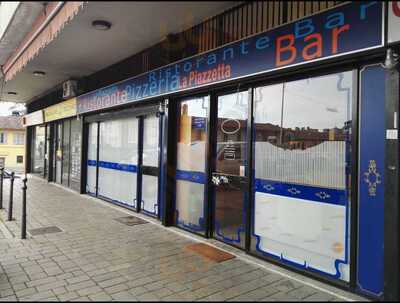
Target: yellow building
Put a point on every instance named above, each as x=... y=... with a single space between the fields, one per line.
x=12 y=143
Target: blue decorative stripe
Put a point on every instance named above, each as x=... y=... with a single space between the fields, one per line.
x=198 y=228
x=112 y=165
x=124 y=204
x=311 y=193
x=219 y=233
x=192 y=176
x=148 y=212
x=91 y=162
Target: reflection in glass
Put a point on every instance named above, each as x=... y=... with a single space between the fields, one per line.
x=91 y=159
x=302 y=171
x=191 y=163
x=46 y=156
x=231 y=160
x=150 y=158
x=38 y=149
x=75 y=154
x=58 y=154
x=66 y=152
x=232 y=133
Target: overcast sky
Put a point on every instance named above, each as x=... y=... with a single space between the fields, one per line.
x=7 y=107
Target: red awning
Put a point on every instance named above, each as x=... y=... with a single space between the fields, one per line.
x=29 y=48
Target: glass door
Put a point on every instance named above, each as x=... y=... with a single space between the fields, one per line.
x=58 y=152
x=150 y=166
x=191 y=177
x=66 y=152
x=75 y=165
x=47 y=152
x=38 y=150
x=92 y=161
x=123 y=159
x=230 y=170
x=118 y=161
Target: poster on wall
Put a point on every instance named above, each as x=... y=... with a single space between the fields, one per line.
x=393 y=21
x=332 y=33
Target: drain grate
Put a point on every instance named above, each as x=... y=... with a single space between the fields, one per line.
x=209 y=252
x=131 y=220
x=44 y=230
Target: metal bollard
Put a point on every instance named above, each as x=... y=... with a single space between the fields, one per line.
x=1 y=186
x=23 y=221
x=10 y=202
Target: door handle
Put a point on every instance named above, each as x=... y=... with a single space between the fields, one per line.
x=224 y=179
x=216 y=180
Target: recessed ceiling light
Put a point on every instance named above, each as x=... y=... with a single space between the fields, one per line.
x=39 y=73
x=11 y=93
x=101 y=25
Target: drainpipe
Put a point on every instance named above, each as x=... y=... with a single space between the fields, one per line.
x=38 y=31
x=392 y=184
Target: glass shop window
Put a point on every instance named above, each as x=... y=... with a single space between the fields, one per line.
x=75 y=153
x=192 y=133
x=38 y=149
x=302 y=171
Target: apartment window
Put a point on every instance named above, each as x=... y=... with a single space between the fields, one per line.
x=19 y=139
x=20 y=159
x=3 y=138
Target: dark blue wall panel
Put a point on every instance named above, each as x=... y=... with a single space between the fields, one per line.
x=371 y=180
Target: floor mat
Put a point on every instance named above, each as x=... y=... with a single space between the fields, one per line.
x=44 y=230
x=209 y=252
x=131 y=220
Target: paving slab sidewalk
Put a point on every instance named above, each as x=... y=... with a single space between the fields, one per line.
x=97 y=258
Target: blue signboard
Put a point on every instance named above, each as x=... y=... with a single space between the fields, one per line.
x=349 y=28
x=198 y=123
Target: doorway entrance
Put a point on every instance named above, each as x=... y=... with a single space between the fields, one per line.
x=211 y=193
x=123 y=159
x=150 y=159
x=230 y=168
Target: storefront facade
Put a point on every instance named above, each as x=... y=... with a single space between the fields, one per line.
x=276 y=144
x=56 y=142
x=123 y=158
